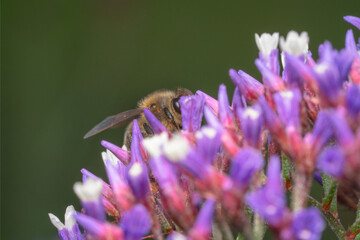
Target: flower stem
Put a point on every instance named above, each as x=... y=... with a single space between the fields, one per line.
x=302 y=186
x=333 y=222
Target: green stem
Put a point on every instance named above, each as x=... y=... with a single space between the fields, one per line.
x=333 y=222
x=330 y=194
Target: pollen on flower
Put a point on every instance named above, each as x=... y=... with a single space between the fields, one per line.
x=135 y=170
x=270 y=209
x=251 y=113
x=288 y=95
x=154 y=144
x=178 y=236
x=88 y=191
x=304 y=234
x=177 y=148
x=207 y=131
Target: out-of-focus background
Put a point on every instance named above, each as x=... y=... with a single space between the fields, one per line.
x=66 y=65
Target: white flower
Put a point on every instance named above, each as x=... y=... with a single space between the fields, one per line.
x=251 y=113
x=177 y=148
x=295 y=44
x=108 y=155
x=266 y=42
x=206 y=131
x=88 y=191
x=69 y=219
x=135 y=170
x=154 y=144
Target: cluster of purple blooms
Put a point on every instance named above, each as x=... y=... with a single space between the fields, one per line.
x=209 y=182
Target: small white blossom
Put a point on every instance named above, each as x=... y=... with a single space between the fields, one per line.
x=88 y=191
x=295 y=44
x=206 y=131
x=69 y=219
x=177 y=148
x=108 y=155
x=266 y=42
x=155 y=144
x=135 y=170
x=251 y=113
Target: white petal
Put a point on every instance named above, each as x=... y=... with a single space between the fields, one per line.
x=88 y=191
x=295 y=44
x=135 y=170
x=56 y=222
x=69 y=219
x=206 y=131
x=155 y=144
x=267 y=42
x=109 y=156
x=251 y=113
x=177 y=148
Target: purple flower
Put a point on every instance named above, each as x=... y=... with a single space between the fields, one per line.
x=251 y=122
x=225 y=114
x=248 y=86
x=100 y=230
x=211 y=119
x=271 y=80
x=192 y=112
x=350 y=43
x=321 y=132
x=308 y=224
x=297 y=72
x=244 y=165
x=343 y=132
x=331 y=71
x=155 y=124
x=203 y=224
x=210 y=101
x=208 y=142
x=70 y=230
x=270 y=201
x=136 y=222
x=164 y=172
x=288 y=107
x=272 y=121
x=331 y=161
x=120 y=153
x=353 y=20
x=238 y=101
x=89 y=193
x=136 y=143
x=138 y=180
x=353 y=101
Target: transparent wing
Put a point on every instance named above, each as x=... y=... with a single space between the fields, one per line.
x=117 y=120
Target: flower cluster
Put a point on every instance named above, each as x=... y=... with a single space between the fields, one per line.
x=301 y=121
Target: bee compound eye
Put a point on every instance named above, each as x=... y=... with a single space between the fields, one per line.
x=176 y=105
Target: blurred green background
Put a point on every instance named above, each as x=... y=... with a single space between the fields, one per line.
x=68 y=64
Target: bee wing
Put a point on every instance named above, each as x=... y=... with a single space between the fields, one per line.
x=114 y=121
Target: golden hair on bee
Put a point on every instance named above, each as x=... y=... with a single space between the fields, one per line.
x=164 y=104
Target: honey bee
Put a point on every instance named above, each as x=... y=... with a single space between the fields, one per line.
x=164 y=104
